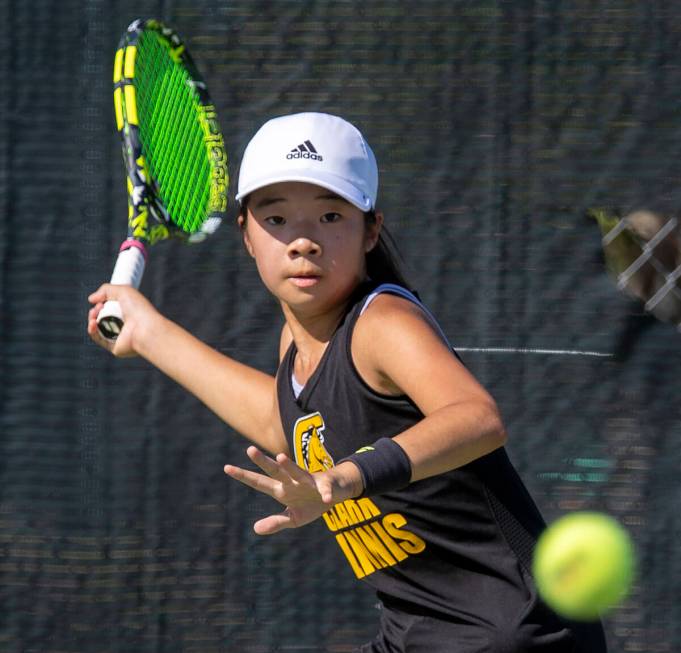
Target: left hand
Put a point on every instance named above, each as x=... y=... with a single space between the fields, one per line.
x=306 y=496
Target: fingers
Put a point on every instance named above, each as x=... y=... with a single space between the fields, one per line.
x=292 y=469
x=139 y=317
x=104 y=292
x=325 y=492
x=99 y=298
x=93 y=329
x=109 y=291
x=283 y=468
x=265 y=463
x=272 y=484
x=93 y=313
x=273 y=524
x=304 y=495
x=302 y=476
x=254 y=480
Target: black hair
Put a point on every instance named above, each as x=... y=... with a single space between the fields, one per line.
x=382 y=262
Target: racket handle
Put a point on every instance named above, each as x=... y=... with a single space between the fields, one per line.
x=128 y=271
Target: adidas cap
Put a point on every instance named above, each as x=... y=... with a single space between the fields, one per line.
x=316 y=148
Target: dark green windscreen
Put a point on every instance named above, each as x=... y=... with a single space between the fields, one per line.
x=496 y=126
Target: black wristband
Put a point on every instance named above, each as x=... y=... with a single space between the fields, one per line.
x=384 y=467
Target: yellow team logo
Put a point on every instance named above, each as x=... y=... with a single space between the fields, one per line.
x=308 y=436
x=369 y=539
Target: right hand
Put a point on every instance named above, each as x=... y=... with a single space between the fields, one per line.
x=138 y=312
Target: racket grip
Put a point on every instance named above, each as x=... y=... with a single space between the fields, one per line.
x=128 y=271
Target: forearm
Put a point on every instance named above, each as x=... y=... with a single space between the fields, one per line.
x=240 y=395
x=446 y=439
x=451 y=437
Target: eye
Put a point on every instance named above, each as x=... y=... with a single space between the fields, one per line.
x=331 y=217
x=274 y=220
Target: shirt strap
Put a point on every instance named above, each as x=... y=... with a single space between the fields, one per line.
x=394 y=289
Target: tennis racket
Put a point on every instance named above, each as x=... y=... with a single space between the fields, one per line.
x=173 y=150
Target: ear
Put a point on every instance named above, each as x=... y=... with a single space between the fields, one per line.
x=241 y=221
x=373 y=231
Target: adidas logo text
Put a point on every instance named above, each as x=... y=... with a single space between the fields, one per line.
x=304 y=151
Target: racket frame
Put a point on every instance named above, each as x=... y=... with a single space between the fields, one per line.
x=148 y=220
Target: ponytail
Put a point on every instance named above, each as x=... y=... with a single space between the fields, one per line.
x=382 y=261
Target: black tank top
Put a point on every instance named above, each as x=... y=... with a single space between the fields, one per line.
x=457 y=545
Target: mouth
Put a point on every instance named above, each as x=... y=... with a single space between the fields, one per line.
x=304 y=280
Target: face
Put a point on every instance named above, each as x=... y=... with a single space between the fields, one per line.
x=309 y=244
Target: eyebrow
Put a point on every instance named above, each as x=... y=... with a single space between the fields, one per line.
x=267 y=201
x=330 y=196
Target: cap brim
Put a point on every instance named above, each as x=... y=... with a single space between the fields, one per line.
x=330 y=182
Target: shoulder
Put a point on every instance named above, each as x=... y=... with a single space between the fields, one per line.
x=399 y=349
x=391 y=314
x=390 y=336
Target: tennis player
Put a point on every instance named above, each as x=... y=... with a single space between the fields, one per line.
x=372 y=422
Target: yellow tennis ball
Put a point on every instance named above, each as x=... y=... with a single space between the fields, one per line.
x=584 y=565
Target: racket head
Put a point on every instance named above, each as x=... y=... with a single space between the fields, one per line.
x=173 y=148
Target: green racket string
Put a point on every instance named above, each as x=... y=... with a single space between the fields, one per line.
x=171 y=134
x=174 y=112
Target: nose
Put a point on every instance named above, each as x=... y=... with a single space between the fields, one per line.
x=304 y=246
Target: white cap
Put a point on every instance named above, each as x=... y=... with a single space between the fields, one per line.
x=316 y=148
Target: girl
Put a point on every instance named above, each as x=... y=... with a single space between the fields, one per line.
x=372 y=421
